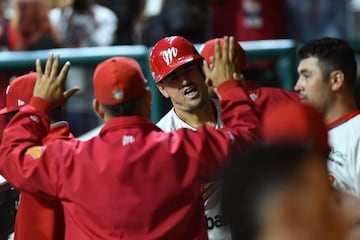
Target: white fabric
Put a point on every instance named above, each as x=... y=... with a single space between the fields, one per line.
x=92 y=133
x=344 y=161
x=2 y=180
x=102 y=31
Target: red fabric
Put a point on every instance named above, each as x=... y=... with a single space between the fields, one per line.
x=4 y=82
x=42 y=218
x=118 y=80
x=19 y=92
x=230 y=16
x=296 y=123
x=133 y=181
x=342 y=119
x=269 y=97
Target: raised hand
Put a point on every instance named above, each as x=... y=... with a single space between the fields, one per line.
x=224 y=64
x=50 y=83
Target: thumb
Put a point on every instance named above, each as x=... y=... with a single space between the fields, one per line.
x=68 y=93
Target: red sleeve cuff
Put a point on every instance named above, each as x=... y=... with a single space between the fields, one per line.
x=223 y=87
x=41 y=104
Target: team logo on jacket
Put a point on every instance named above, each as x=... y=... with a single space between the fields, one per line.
x=36 y=151
x=127 y=139
x=169 y=55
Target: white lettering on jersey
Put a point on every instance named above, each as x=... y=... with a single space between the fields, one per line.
x=127 y=140
x=253 y=96
x=20 y=102
x=169 y=55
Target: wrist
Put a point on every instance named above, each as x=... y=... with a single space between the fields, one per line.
x=40 y=103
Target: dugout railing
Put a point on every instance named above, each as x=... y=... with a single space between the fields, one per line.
x=283 y=51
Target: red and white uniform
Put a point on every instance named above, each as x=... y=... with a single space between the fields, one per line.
x=42 y=218
x=344 y=158
x=133 y=181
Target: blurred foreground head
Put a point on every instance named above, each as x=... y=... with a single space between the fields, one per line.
x=280 y=192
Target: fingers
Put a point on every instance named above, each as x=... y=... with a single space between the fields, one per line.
x=225 y=50
x=217 y=50
x=232 y=52
x=64 y=72
x=38 y=68
x=48 y=65
x=67 y=94
x=206 y=68
x=54 y=66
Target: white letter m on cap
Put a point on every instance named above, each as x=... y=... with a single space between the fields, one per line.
x=169 y=55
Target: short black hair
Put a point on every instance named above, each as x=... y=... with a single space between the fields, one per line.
x=249 y=178
x=333 y=54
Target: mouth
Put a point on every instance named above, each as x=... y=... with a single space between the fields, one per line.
x=190 y=92
x=302 y=97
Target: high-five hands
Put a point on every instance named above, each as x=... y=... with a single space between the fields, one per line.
x=224 y=64
x=50 y=83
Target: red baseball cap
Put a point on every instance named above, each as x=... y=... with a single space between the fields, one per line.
x=118 y=80
x=19 y=92
x=295 y=123
x=208 y=50
x=169 y=54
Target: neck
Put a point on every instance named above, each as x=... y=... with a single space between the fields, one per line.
x=205 y=116
x=342 y=106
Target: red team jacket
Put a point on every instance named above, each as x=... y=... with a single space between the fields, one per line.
x=42 y=218
x=269 y=97
x=133 y=181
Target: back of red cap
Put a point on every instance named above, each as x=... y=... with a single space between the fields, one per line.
x=295 y=123
x=208 y=50
x=118 y=80
x=19 y=92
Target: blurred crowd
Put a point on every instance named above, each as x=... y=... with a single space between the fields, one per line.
x=45 y=24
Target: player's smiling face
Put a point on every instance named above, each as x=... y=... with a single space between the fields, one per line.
x=311 y=85
x=185 y=87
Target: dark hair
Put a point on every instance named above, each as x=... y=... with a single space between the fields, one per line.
x=82 y=6
x=248 y=180
x=333 y=54
x=125 y=109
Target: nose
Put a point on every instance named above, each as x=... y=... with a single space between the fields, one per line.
x=297 y=86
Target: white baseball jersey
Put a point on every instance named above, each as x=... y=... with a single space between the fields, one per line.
x=344 y=158
x=217 y=228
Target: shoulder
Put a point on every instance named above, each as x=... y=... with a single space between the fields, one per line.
x=103 y=12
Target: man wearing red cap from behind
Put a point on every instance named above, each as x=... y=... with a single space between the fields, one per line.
x=38 y=217
x=132 y=181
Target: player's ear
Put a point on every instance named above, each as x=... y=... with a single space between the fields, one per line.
x=337 y=79
x=162 y=90
x=98 y=108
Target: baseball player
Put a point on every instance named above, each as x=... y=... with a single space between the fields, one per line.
x=133 y=181
x=38 y=217
x=185 y=74
x=183 y=82
x=327 y=74
x=277 y=192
